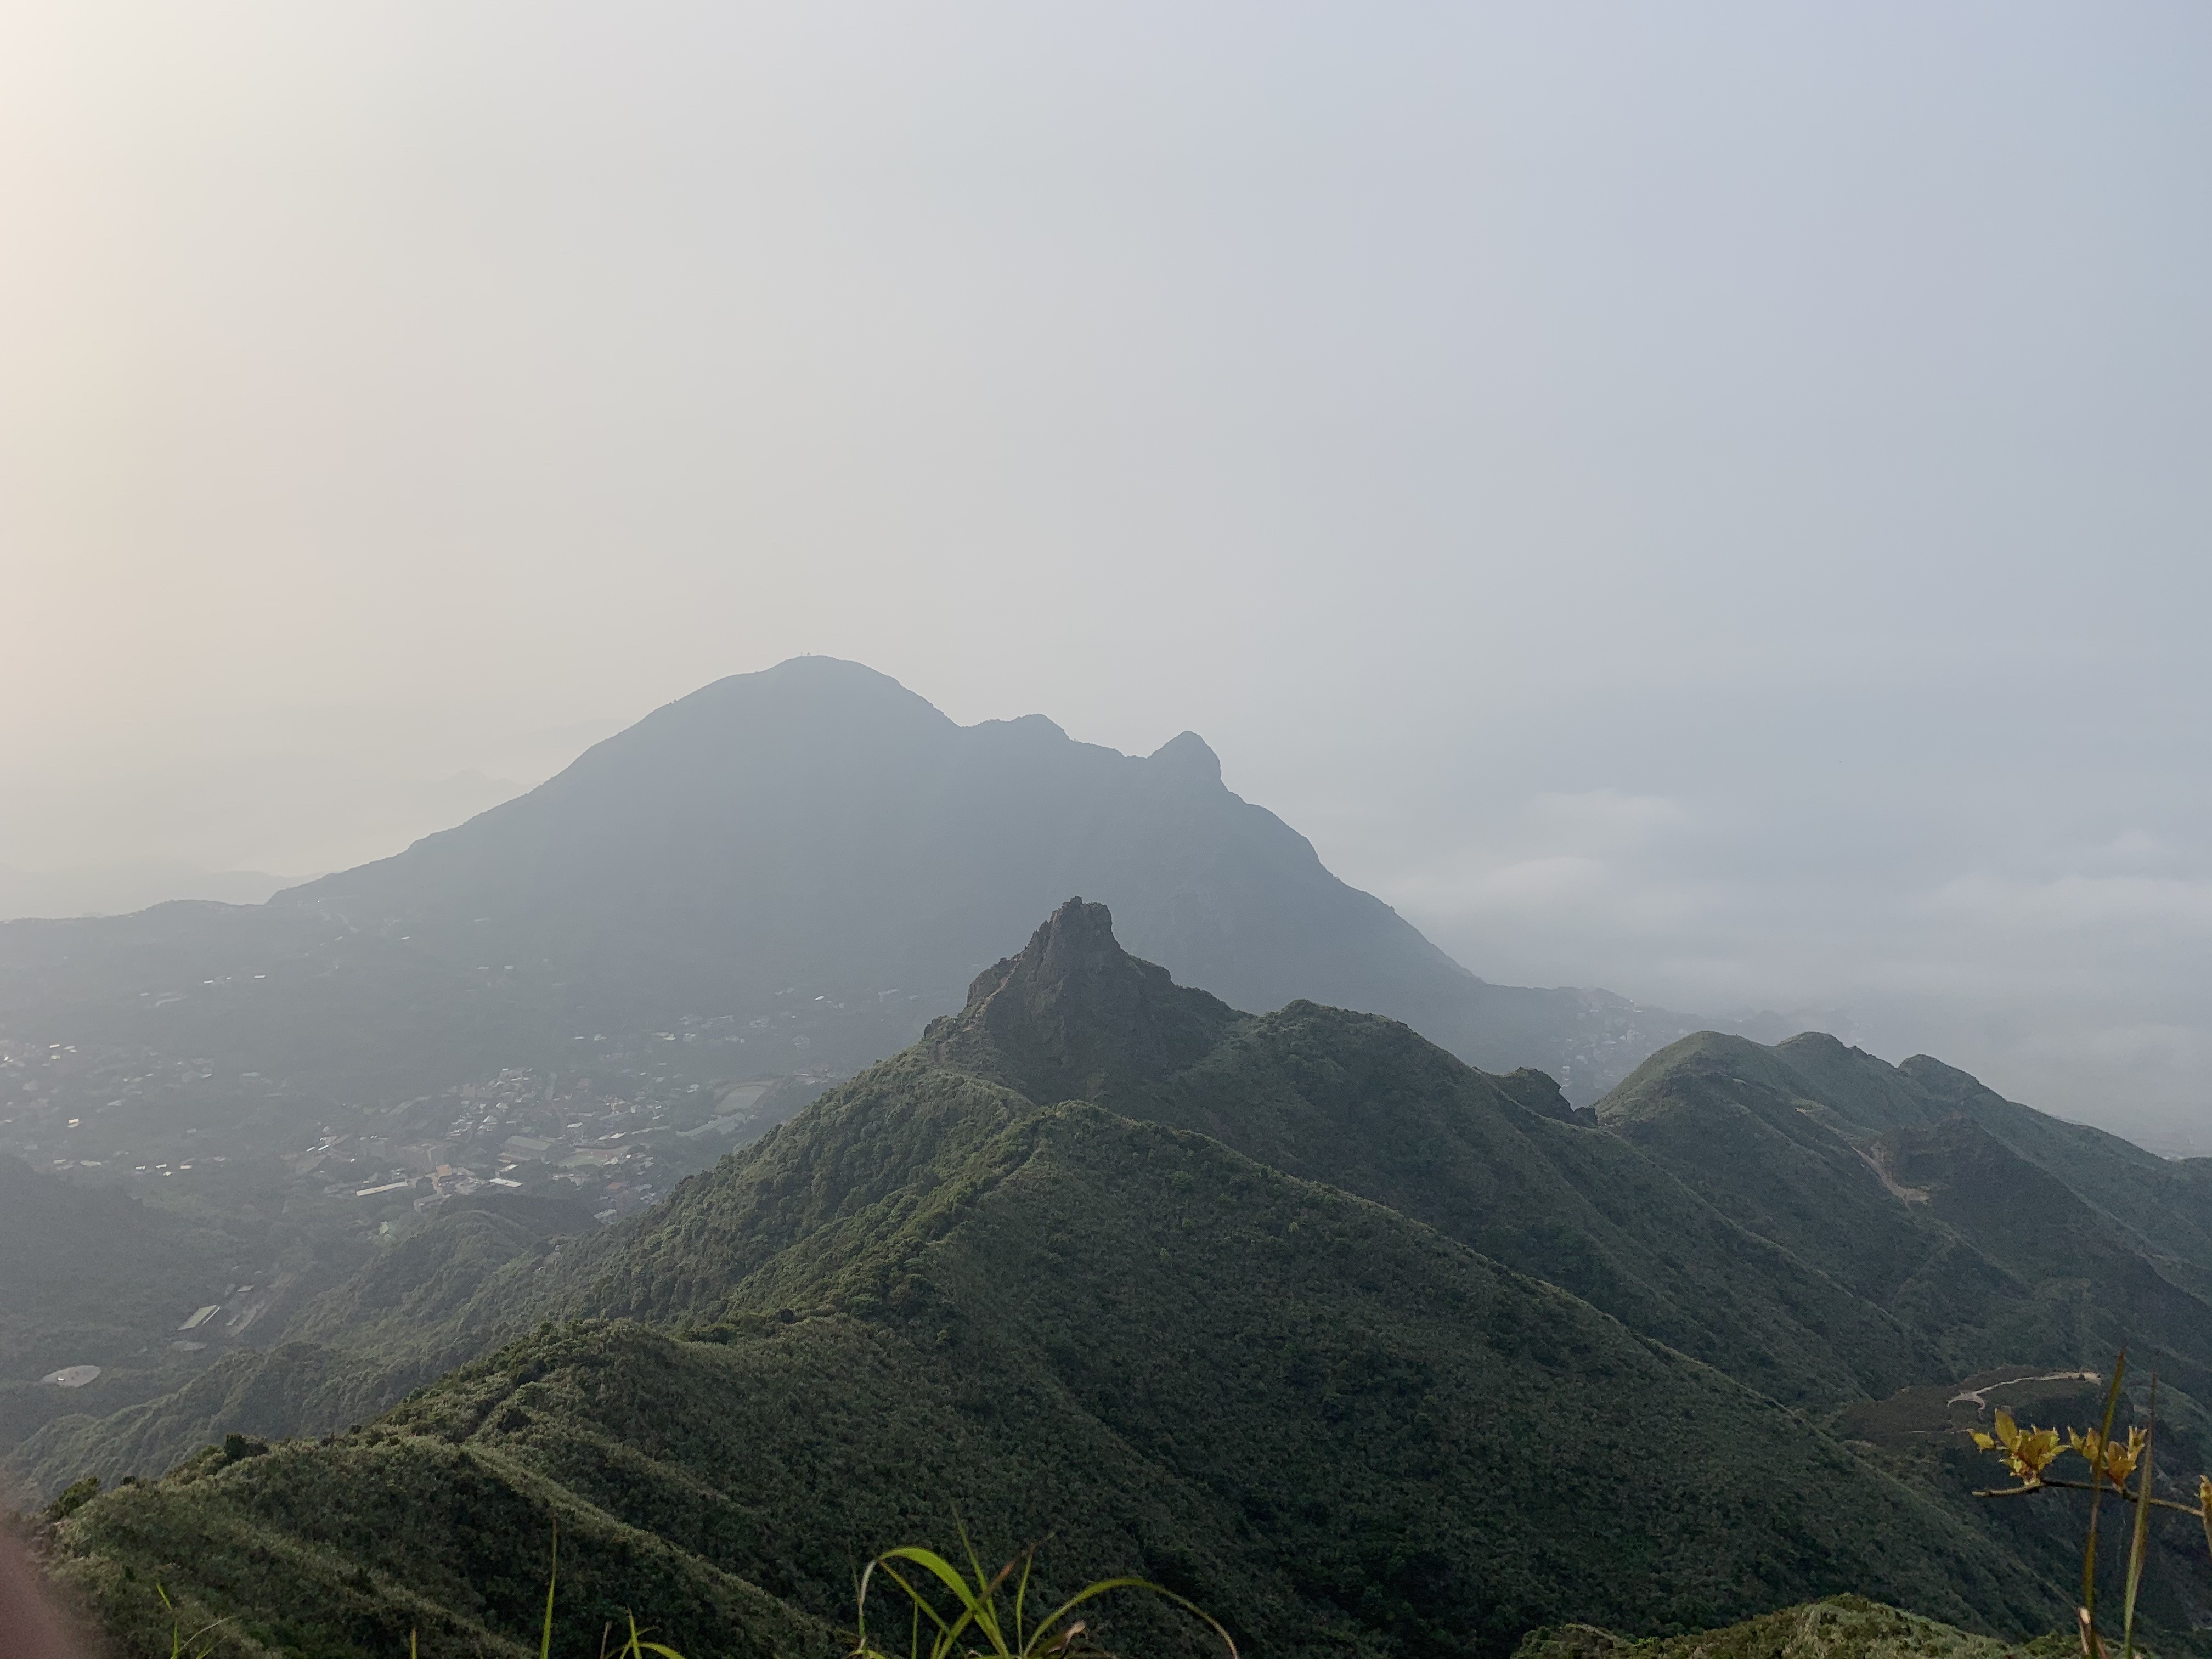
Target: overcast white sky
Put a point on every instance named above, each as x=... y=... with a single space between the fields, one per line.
x=1706 y=500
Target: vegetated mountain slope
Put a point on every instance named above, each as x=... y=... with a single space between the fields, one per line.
x=1366 y=1104
x=2166 y=1203
x=812 y=843
x=92 y=1277
x=1838 y=1627
x=1354 y=1101
x=1970 y=1218
x=1816 y=1284
x=1005 y=1273
x=422 y=1306
x=1502 y=1164
x=932 y=1292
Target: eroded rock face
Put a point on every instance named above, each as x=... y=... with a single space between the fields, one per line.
x=1074 y=1014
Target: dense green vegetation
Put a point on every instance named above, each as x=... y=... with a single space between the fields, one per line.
x=1839 y=1627
x=1362 y=1103
x=1362 y=1349
x=1366 y=1439
x=95 y=1276
x=92 y=1277
x=422 y=1305
x=1980 y=1225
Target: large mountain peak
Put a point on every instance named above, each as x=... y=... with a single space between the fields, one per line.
x=1072 y=954
x=1074 y=1016
x=813 y=846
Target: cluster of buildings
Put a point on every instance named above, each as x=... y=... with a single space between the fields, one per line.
x=613 y=1129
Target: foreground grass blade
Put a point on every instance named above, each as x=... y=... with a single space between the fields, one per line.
x=1051 y=1635
x=180 y=1645
x=1091 y=1591
x=987 y=1600
x=930 y=1561
x=2141 y=1547
x=2096 y=1495
x=946 y=1634
x=545 y=1641
x=636 y=1647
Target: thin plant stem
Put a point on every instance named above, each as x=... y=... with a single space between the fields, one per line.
x=2096 y=1492
x=2120 y=1492
x=552 y=1576
x=2141 y=1547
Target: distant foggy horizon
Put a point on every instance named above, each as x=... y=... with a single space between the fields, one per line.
x=1565 y=830
x=1707 y=503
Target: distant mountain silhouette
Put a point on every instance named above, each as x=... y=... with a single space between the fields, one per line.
x=118 y=889
x=816 y=837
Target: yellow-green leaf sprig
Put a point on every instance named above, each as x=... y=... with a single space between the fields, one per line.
x=2114 y=1460
x=2026 y=1452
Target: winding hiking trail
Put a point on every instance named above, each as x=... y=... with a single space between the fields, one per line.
x=1982 y=1405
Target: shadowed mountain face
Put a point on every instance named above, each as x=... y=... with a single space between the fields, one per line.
x=813 y=844
x=2002 y=1236
x=1362 y=1102
x=1076 y=1018
x=85 y=1279
x=1206 y=1297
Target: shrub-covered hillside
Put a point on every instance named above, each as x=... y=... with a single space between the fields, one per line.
x=1364 y=1349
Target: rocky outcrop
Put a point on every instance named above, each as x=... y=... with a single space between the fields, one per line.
x=1073 y=1015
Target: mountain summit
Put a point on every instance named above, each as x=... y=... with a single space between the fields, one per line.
x=811 y=859
x=819 y=826
x=1074 y=1015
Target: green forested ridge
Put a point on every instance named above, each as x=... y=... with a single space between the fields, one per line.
x=1356 y=1435
x=2166 y=1203
x=1838 y=1627
x=1361 y=1348
x=1983 y=1226
x=2015 y=1244
x=1364 y=1103
x=432 y=1281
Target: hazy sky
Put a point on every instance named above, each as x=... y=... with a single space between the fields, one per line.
x=1705 y=499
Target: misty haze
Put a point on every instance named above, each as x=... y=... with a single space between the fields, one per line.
x=1398 y=817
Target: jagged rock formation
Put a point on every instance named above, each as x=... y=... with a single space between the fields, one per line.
x=1073 y=1017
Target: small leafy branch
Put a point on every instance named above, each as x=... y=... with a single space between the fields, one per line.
x=2029 y=1453
x=975 y=1626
